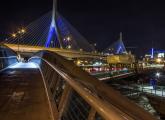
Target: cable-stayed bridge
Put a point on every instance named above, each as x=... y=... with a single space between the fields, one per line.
x=53 y=32
x=51 y=87
x=42 y=33
x=49 y=31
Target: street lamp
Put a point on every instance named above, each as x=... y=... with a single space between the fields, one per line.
x=68 y=38
x=19 y=33
x=14 y=35
x=23 y=30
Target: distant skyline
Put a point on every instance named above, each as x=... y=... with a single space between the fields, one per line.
x=98 y=21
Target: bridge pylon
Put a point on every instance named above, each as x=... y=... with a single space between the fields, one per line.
x=54 y=28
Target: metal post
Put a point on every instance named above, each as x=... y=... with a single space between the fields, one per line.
x=92 y=114
x=162 y=91
x=19 y=57
x=18 y=45
x=151 y=91
x=64 y=100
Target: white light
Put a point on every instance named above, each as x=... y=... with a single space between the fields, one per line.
x=158 y=60
x=68 y=38
x=24 y=65
x=157 y=74
x=69 y=46
x=97 y=64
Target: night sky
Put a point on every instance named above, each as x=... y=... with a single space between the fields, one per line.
x=99 y=21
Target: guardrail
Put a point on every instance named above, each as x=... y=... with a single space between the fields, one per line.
x=7 y=61
x=75 y=95
x=7 y=57
x=158 y=91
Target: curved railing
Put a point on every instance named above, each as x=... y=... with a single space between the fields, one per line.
x=75 y=95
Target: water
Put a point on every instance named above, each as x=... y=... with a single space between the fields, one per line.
x=130 y=87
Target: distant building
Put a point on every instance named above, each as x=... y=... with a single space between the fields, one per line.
x=156 y=56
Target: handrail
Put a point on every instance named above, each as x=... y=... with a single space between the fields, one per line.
x=8 y=57
x=103 y=108
x=156 y=91
x=109 y=103
x=6 y=62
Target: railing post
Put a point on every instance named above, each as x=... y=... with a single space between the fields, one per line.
x=162 y=91
x=92 y=114
x=54 y=80
x=64 y=100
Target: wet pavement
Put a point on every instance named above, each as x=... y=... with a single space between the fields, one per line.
x=22 y=95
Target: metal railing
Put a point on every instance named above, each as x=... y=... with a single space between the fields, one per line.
x=73 y=94
x=7 y=61
x=7 y=57
x=157 y=91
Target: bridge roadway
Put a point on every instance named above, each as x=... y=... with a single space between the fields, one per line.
x=63 y=52
x=22 y=95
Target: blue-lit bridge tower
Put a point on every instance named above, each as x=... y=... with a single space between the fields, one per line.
x=54 y=34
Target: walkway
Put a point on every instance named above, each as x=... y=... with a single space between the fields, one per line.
x=22 y=94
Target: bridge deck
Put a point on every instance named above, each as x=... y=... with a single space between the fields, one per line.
x=22 y=95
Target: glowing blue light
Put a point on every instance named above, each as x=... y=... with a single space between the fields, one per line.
x=152 y=53
x=50 y=34
x=119 y=49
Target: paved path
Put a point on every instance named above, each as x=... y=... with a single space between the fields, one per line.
x=22 y=95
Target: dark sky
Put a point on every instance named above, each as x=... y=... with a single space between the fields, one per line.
x=100 y=21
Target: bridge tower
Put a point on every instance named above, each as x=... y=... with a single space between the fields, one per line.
x=121 y=46
x=121 y=36
x=54 y=30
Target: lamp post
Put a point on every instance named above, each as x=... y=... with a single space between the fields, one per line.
x=15 y=35
x=20 y=32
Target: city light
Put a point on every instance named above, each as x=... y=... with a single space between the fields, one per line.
x=23 y=30
x=97 y=64
x=78 y=62
x=68 y=38
x=20 y=31
x=158 y=74
x=69 y=46
x=158 y=60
